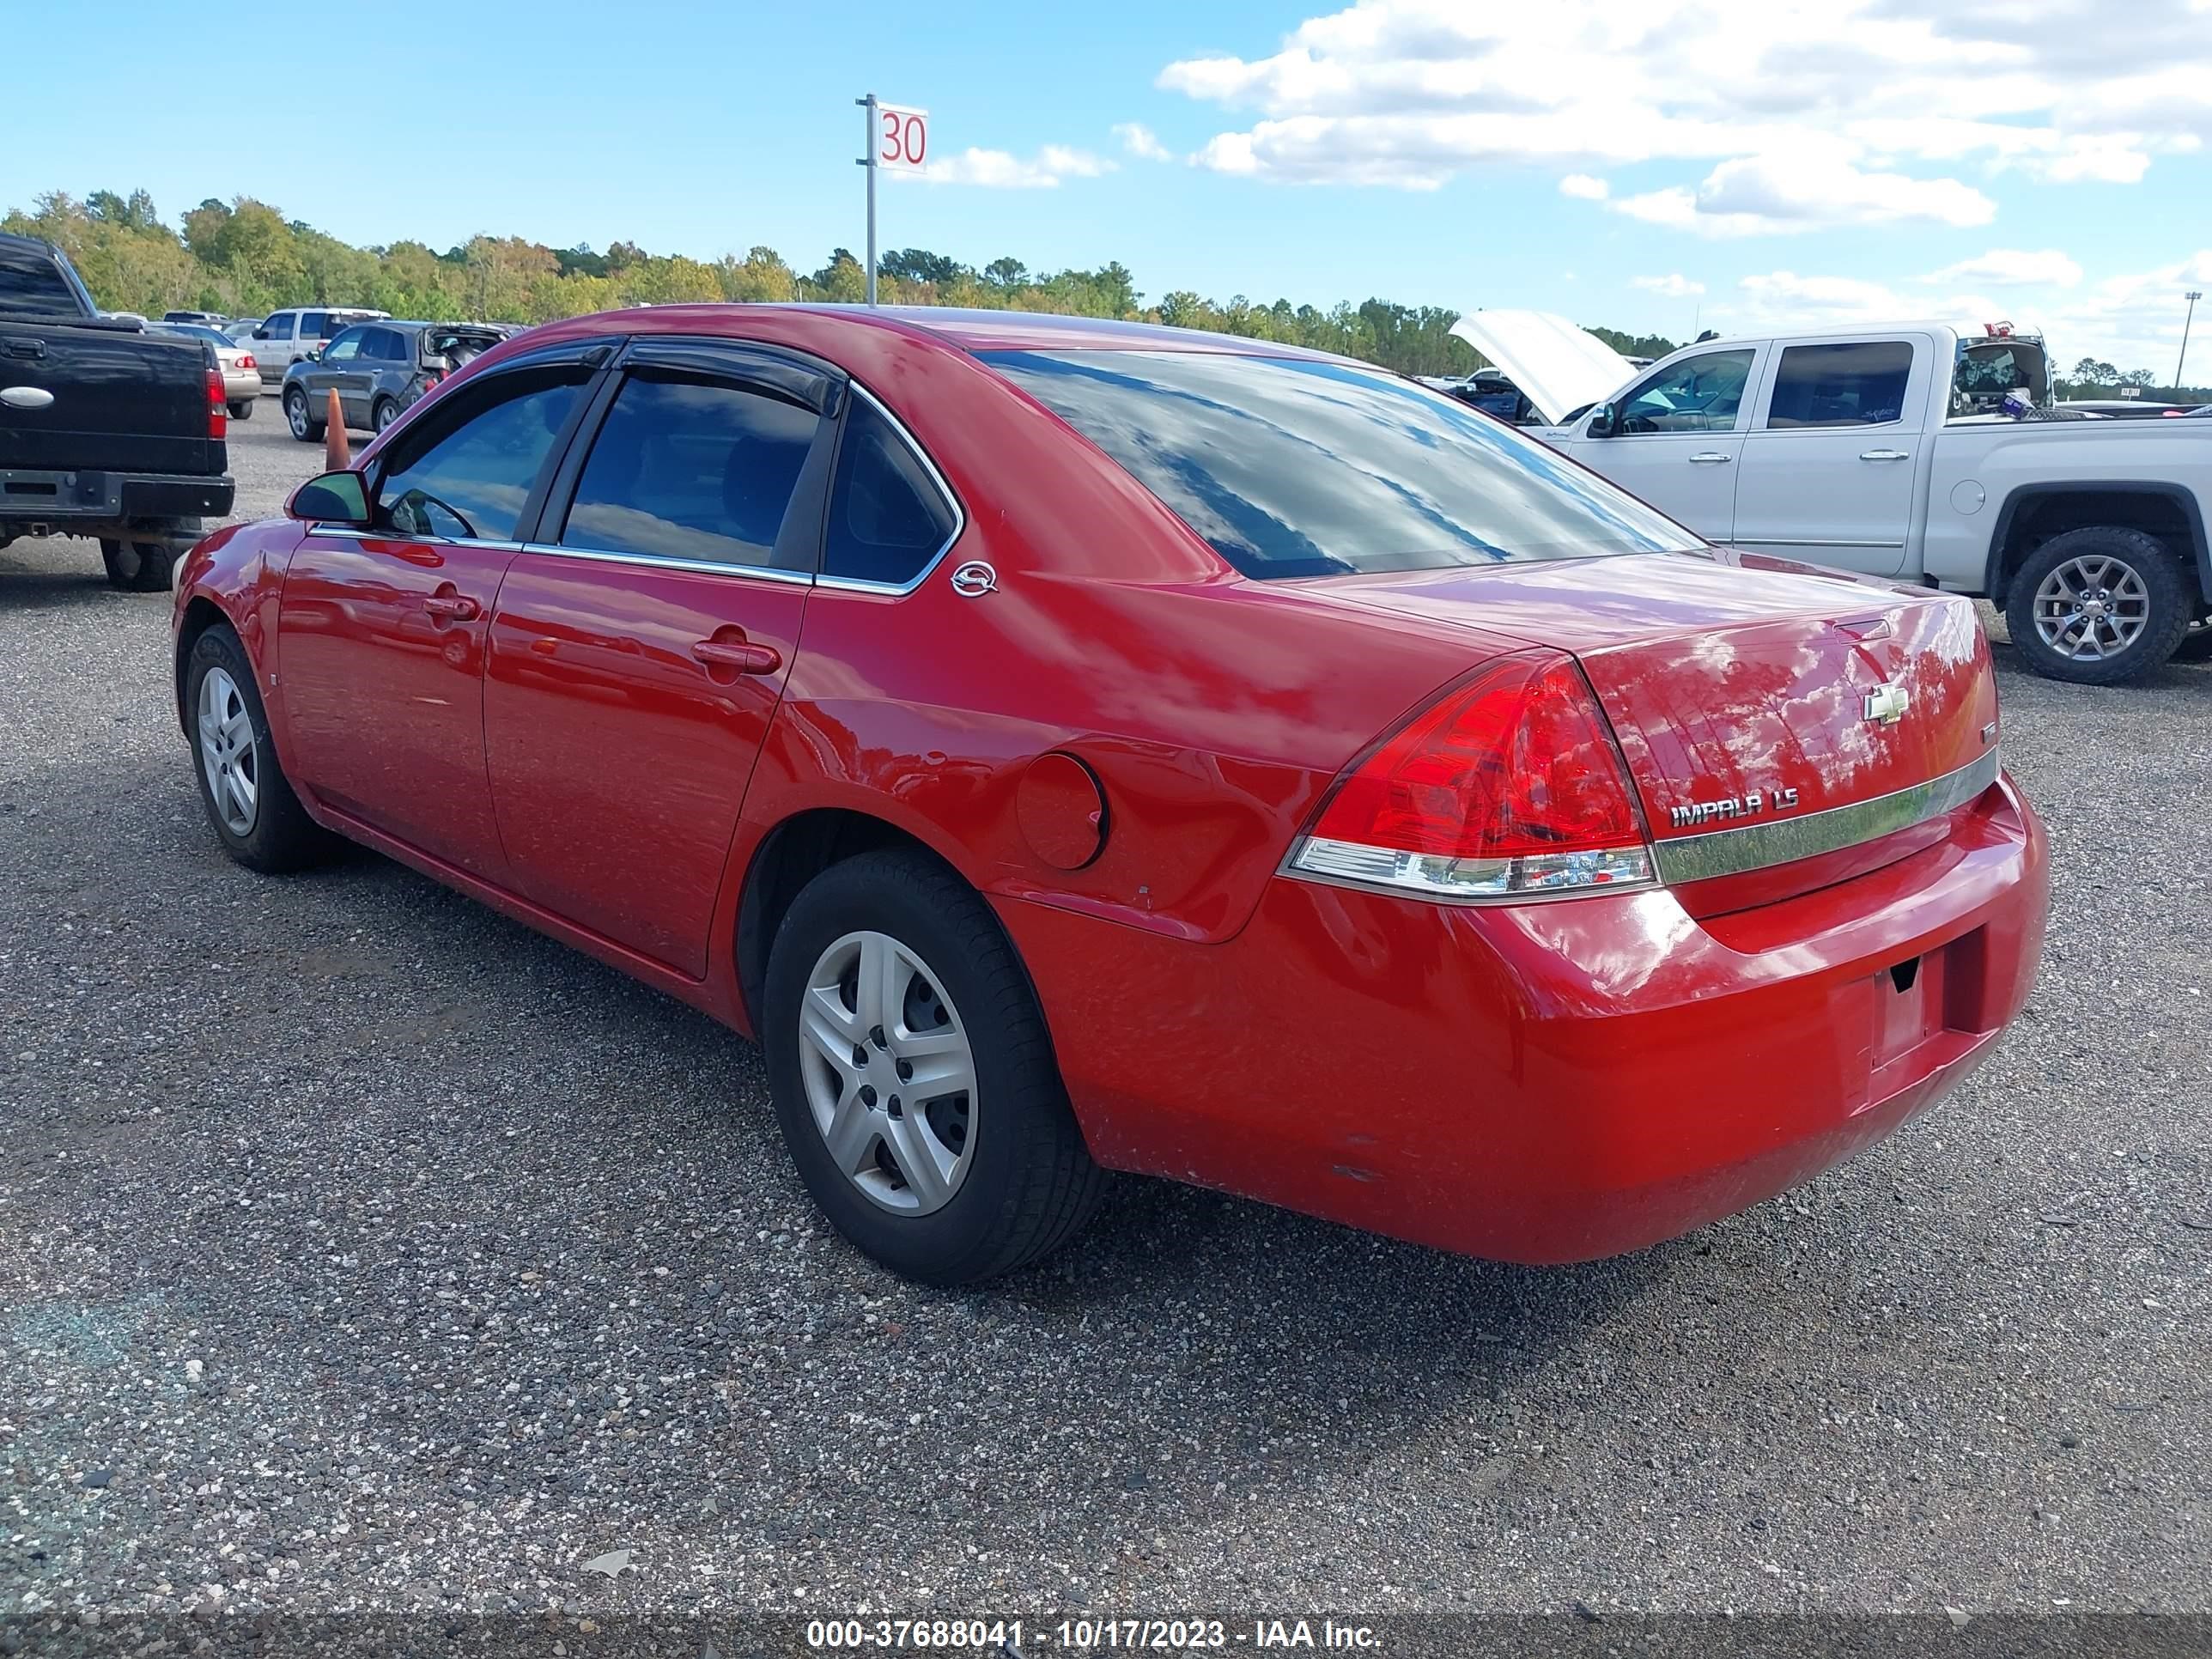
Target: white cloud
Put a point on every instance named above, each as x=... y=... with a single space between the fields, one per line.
x=1794 y=113
x=1813 y=189
x=1141 y=141
x=1673 y=285
x=2007 y=267
x=998 y=169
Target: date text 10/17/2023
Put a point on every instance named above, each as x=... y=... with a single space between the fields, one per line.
x=1005 y=1638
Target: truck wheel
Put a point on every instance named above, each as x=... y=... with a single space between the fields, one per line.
x=242 y=409
x=913 y=1076
x=305 y=427
x=242 y=785
x=2099 y=605
x=139 y=566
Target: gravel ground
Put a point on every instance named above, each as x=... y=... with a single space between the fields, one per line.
x=361 y=1250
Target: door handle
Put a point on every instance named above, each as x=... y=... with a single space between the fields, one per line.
x=741 y=654
x=21 y=348
x=1885 y=455
x=452 y=607
x=1709 y=457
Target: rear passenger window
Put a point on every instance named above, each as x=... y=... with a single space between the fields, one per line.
x=696 y=469
x=314 y=325
x=1858 y=385
x=888 y=516
x=469 y=476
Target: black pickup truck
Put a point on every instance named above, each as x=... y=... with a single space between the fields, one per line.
x=105 y=431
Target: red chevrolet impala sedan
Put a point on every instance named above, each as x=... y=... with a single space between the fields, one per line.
x=1070 y=746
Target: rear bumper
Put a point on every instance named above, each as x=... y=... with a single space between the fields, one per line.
x=1550 y=1082
x=240 y=384
x=78 y=503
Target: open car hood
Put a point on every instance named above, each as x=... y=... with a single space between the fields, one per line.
x=1558 y=365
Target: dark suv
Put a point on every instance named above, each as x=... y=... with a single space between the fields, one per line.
x=378 y=369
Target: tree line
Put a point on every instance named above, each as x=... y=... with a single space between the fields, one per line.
x=245 y=258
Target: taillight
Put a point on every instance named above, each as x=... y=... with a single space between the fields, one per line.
x=1508 y=787
x=245 y=361
x=218 y=414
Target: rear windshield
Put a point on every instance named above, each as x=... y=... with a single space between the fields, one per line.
x=1299 y=467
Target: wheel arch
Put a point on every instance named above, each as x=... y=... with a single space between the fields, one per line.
x=201 y=614
x=2033 y=514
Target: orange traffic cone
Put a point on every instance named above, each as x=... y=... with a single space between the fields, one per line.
x=338 y=450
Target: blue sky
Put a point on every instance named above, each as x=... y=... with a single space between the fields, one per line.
x=1731 y=162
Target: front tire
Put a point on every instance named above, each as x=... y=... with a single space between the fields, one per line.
x=248 y=798
x=139 y=566
x=305 y=427
x=913 y=1077
x=2099 y=605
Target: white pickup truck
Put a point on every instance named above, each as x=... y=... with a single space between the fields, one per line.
x=1876 y=449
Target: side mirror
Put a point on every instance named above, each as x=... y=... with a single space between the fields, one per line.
x=332 y=498
x=260 y=333
x=313 y=355
x=1602 y=421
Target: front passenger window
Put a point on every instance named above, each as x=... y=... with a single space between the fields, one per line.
x=470 y=475
x=1699 y=394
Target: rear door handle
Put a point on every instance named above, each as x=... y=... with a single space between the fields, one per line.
x=452 y=607
x=1885 y=454
x=741 y=654
x=1709 y=457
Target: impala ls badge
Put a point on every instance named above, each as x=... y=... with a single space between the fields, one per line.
x=1752 y=804
x=1886 y=704
x=974 y=580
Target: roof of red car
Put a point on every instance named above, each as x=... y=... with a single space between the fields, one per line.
x=970 y=331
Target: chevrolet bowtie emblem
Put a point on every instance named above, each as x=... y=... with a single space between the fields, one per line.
x=1886 y=704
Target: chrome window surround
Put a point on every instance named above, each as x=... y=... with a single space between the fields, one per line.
x=854 y=585
x=765 y=573
x=1784 y=841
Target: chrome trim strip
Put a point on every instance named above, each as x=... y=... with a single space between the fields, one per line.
x=1784 y=841
x=1788 y=541
x=351 y=533
x=851 y=585
x=658 y=561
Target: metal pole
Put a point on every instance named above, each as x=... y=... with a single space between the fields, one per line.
x=2192 y=296
x=869 y=162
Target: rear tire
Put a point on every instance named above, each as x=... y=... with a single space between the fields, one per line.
x=2100 y=605
x=1017 y=1181
x=139 y=566
x=248 y=798
x=305 y=427
x=242 y=410
x=383 y=415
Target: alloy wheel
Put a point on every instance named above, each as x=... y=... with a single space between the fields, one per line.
x=227 y=751
x=295 y=410
x=2091 y=607
x=890 y=1073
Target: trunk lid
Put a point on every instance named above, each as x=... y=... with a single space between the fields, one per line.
x=1768 y=713
x=121 y=401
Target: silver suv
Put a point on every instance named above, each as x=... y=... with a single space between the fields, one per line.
x=282 y=338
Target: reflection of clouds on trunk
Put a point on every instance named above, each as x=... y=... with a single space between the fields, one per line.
x=1294 y=466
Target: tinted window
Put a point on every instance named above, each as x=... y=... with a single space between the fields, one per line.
x=1296 y=467
x=470 y=474
x=194 y=331
x=887 y=517
x=1699 y=394
x=279 y=326
x=345 y=347
x=314 y=325
x=691 y=469
x=31 y=281
x=1859 y=384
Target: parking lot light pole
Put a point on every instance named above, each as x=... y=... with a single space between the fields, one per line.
x=868 y=161
x=2188 y=317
